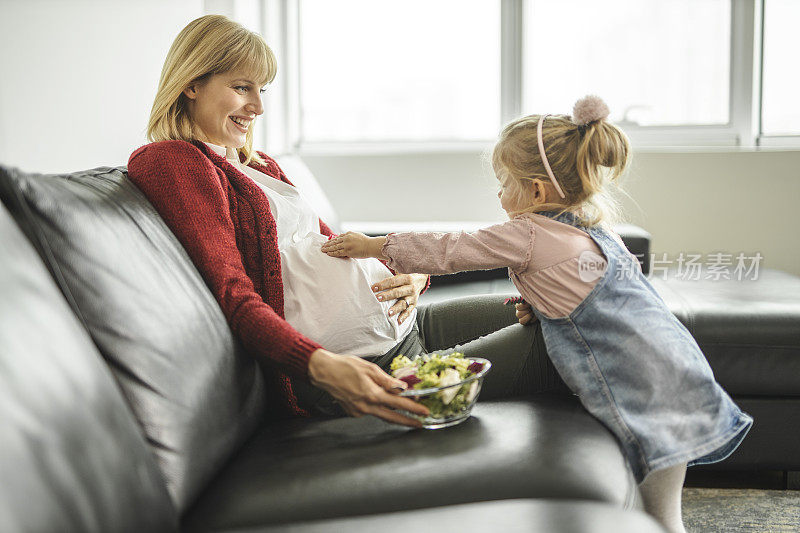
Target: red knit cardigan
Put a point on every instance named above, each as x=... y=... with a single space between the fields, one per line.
x=222 y=219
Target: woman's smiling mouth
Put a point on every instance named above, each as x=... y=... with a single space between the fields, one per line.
x=241 y=123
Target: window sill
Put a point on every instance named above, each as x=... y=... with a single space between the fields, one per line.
x=393 y=148
x=485 y=147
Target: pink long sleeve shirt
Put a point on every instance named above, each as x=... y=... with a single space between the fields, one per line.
x=542 y=253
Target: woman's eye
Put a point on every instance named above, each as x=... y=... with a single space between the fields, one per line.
x=240 y=88
x=262 y=91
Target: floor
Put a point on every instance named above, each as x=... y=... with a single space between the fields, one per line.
x=735 y=501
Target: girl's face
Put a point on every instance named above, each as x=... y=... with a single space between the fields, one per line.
x=223 y=107
x=511 y=194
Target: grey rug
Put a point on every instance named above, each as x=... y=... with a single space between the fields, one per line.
x=731 y=510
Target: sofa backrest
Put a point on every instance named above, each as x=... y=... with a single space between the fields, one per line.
x=194 y=391
x=72 y=456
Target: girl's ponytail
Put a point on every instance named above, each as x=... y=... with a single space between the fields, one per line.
x=603 y=155
x=604 y=150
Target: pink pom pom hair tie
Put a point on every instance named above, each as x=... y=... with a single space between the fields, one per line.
x=544 y=157
x=589 y=109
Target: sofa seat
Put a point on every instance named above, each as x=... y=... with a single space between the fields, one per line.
x=545 y=447
x=508 y=516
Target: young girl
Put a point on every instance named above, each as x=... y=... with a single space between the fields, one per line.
x=608 y=333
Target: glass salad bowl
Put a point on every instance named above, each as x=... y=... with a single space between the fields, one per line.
x=448 y=385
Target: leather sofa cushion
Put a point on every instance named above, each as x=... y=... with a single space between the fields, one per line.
x=195 y=393
x=72 y=456
x=541 y=447
x=508 y=516
x=748 y=329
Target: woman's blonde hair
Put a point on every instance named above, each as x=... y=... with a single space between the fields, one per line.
x=584 y=159
x=209 y=45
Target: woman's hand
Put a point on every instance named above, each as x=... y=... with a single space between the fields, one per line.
x=362 y=388
x=404 y=287
x=353 y=244
x=524 y=313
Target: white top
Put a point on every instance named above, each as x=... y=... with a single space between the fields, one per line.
x=327 y=299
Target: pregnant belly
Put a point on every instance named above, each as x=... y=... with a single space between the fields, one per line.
x=330 y=300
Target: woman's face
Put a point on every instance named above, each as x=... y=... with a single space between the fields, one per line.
x=223 y=107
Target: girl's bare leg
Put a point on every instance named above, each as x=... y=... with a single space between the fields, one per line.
x=661 y=494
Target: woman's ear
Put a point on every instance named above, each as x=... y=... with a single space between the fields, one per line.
x=190 y=92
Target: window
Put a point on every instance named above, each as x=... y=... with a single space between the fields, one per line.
x=780 y=111
x=655 y=63
x=399 y=71
x=390 y=73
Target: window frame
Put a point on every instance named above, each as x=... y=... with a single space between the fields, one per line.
x=763 y=139
x=283 y=131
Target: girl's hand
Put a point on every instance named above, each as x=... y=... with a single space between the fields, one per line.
x=524 y=313
x=404 y=287
x=362 y=388
x=357 y=245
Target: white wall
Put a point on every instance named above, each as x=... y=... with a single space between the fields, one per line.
x=720 y=202
x=697 y=202
x=78 y=77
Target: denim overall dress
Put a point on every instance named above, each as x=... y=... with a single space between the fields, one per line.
x=637 y=369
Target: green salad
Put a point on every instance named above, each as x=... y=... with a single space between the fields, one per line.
x=434 y=370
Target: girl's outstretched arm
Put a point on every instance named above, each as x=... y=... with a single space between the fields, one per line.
x=503 y=245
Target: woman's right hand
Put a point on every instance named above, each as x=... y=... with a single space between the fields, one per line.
x=362 y=388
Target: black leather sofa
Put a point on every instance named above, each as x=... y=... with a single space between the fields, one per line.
x=126 y=405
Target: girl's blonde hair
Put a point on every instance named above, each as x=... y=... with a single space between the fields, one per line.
x=584 y=159
x=209 y=45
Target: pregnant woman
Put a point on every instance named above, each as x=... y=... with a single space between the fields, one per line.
x=325 y=329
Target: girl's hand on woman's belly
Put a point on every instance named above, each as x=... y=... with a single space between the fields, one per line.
x=405 y=288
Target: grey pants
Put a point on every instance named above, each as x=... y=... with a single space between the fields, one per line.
x=479 y=326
